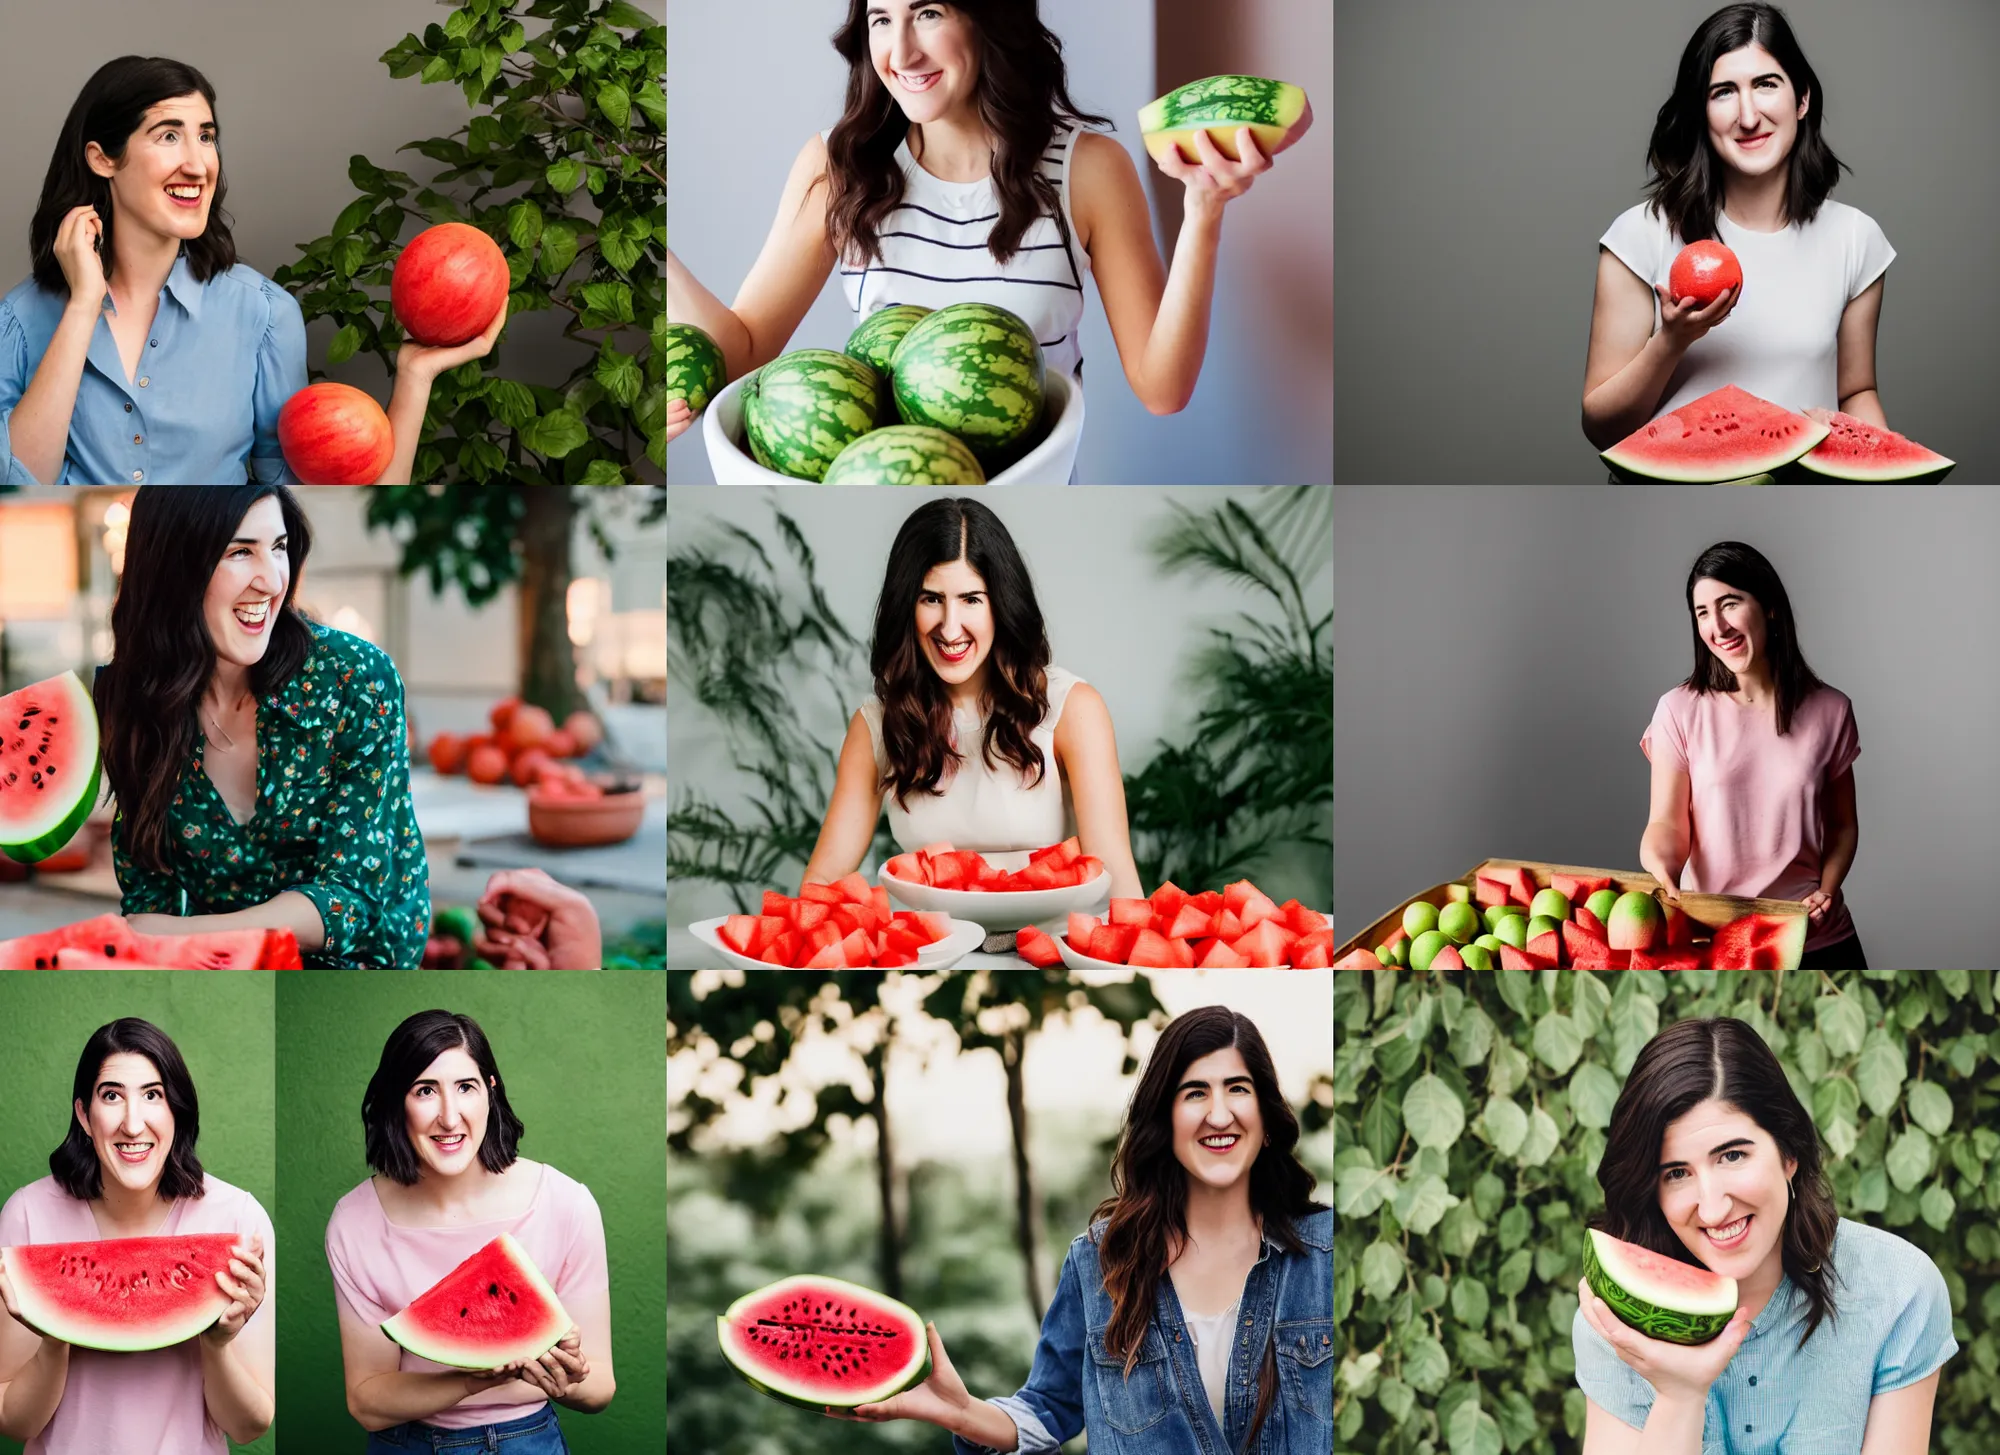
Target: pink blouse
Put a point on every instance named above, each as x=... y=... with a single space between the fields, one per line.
x=380 y=1266
x=151 y=1401
x=1757 y=801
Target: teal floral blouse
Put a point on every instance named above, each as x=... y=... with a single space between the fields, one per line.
x=333 y=817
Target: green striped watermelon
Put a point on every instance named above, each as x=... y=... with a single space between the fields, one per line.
x=1277 y=114
x=973 y=370
x=874 y=340
x=802 y=410
x=695 y=371
x=906 y=454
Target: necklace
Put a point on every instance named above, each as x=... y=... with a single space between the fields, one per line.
x=227 y=740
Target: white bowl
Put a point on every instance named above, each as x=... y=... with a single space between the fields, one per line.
x=965 y=937
x=1000 y=911
x=1076 y=961
x=1050 y=463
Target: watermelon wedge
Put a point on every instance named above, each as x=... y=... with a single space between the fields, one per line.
x=1854 y=449
x=1724 y=435
x=1661 y=1297
x=491 y=1310
x=1758 y=942
x=122 y=1295
x=49 y=766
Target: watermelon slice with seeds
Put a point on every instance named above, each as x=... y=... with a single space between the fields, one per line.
x=1725 y=435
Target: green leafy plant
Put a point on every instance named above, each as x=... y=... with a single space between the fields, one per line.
x=1469 y=1119
x=578 y=114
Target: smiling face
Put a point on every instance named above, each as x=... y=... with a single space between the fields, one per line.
x=1750 y=97
x=129 y=1121
x=249 y=585
x=1721 y=1172
x=925 y=55
x=1218 y=1124
x=178 y=147
x=1731 y=623
x=445 y=1113
x=955 y=622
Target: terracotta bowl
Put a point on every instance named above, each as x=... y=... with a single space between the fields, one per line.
x=584 y=823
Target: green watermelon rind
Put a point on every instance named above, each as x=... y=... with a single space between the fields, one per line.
x=404 y=1326
x=30 y=839
x=906 y=454
x=1920 y=464
x=1277 y=113
x=876 y=337
x=1656 y=1320
x=1710 y=467
x=974 y=370
x=115 y=1329
x=695 y=372
x=889 y=1388
x=801 y=410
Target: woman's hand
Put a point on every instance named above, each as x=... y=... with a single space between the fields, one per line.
x=77 y=238
x=244 y=1283
x=679 y=417
x=938 y=1401
x=1215 y=180
x=534 y=923
x=1683 y=323
x=1819 y=903
x=560 y=1370
x=14 y=1308
x=1682 y=1369
x=158 y=924
x=426 y=362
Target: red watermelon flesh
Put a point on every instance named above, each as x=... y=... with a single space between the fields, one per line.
x=1579 y=887
x=816 y=1342
x=1448 y=958
x=491 y=1310
x=1591 y=922
x=1513 y=959
x=1520 y=883
x=1354 y=959
x=1854 y=449
x=121 y=1294
x=1758 y=942
x=1724 y=435
x=106 y=936
x=1548 y=946
x=1579 y=942
x=1666 y=960
x=49 y=766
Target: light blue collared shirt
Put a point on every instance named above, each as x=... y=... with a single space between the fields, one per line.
x=1891 y=1327
x=220 y=360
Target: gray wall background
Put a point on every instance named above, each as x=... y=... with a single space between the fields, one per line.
x=1262 y=410
x=1485 y=149
x=1501 y=651
x=299 y=89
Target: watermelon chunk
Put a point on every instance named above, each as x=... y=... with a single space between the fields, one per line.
x=1490 y=892
x=1666 y=959
x=1513 y=959
x=491 y=1310
x=1579 y=887
x=1578 y=941
x=1220 y=956
x=1264 y=946
x=1759 y=942
x=1448 y=959
x=1586 y=920
x=1034 y=946
x=1138 y=912
x=1520 y=883
x=1548 y=946
x=1151 y=950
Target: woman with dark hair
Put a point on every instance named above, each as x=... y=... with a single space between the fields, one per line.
x=958 y=116
x=127 y=1169
x=960 y=656
x=1738 y=156
x=1197 y=1311
x=196 y=352
x=442 y=1139
x=1710 y=1160
x=259 y=758
x=1753 y=761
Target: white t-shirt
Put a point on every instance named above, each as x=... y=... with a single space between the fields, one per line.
x=1211 y=1334
x=1781 y=341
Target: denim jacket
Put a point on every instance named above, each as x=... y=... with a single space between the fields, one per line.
x=1076 y=1384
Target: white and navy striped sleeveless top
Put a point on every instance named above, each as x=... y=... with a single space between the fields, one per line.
x=934 y=252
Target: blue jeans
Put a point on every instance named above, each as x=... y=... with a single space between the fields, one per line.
x=537 y=1434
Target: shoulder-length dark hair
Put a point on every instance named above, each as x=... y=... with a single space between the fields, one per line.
x=1745 y=569
x=1147 y=1208
x=163 y=655
x=1716 y=1058
x=411 y=1047
x=75 y=1163
x=1023 y=90
x=108 y=111
x=916 y=708
x=1687 y=183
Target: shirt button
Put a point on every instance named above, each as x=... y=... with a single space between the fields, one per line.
x=1753 y=1379
x=156 y=343
x=138 y=475
x=128 y=408
x=138 y=439
x=144 y=382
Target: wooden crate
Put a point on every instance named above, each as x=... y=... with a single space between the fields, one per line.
x=1712 y=910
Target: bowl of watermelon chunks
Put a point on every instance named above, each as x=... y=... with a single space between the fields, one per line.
x=1238 y=928
x=845 y=925
x=1057 y=879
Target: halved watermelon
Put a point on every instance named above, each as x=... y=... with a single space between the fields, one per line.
x=491 y=1310
x=1758 y=942
x=819 y=1342
x=122 y=1295
x=1661 y=1297
x=1724 y=435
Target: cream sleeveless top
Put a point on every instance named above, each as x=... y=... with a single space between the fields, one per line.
x=981 y=806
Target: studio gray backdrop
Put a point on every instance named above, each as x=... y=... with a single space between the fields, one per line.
x=1262 y=412
x=1501 y=650
x=1485 y=149
x=299 y=88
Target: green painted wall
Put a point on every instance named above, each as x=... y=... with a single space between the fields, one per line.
x=223 y=1023
x=584 y=1056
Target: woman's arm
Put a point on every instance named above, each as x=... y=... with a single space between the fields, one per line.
x=1087 y=751
x=1843 y=834
x=593 y=1327
x=33 y=1372
x=1663 y=848
x=1629 y=364
x=239 y=1353
x=851 y=816
x=1857 y=355
x=289 y=910
x=1159 y=319
x=1899 y=1422
x=38 y=429
x=417 y=369
x=380 y=1395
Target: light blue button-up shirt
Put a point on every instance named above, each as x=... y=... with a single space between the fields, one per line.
x=220 y=360
x=1891 y=1326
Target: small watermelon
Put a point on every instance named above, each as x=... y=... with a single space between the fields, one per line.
x=695 y=371
x=1723 y=436
x=1661 y=1297
x=974 y=370
x=802 y=410
x=1854 y=449
x=1277 y=114
x=906 y=454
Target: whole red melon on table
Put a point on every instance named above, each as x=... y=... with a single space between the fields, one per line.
x=1703 y=271
x=491 y=1310
x=121 y=1295
x=450 y=281
x=333 y=434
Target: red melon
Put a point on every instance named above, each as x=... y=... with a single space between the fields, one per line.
x=449 y=282
x=333 y=434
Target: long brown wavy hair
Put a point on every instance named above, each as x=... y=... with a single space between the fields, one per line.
x=1147 y=1208
x=163 y=655
x=916 y=708
x=1721 y=1059
x=1023 y=90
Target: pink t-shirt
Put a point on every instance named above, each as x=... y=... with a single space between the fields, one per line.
x=137 y=1402
x=1757 y=801
x=380 y=1266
